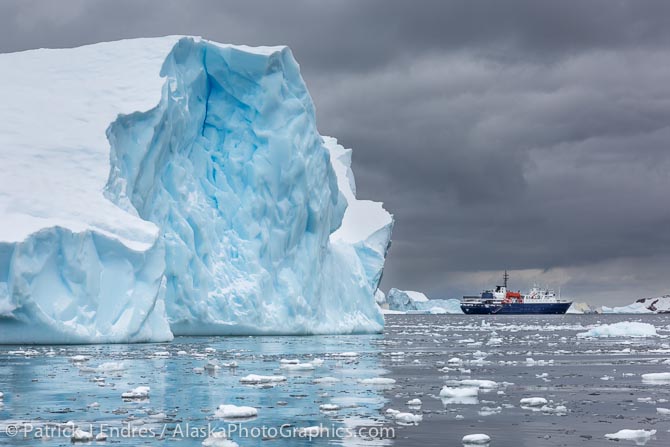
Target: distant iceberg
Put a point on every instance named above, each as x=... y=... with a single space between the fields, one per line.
x=411 y=301
x=581 y=308
x=642 y=306
x=135 y=206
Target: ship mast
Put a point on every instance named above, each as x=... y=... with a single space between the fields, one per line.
x=505 y=278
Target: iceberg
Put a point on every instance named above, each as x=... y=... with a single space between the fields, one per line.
x=580 y=308
x=659 y=304
x=411 y=301
x=176 y=186
x=404 y=300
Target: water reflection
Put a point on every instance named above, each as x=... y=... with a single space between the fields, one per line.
x=188 y=381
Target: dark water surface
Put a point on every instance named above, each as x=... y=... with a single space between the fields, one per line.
x=598 y=381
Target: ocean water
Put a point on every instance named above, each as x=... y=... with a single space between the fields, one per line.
x=592 y=386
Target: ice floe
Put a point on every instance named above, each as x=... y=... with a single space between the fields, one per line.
x=218 y=439
x=404 y=418
x=255 y=379
x=476 y=439
x=329 y=407
x=80 y=435
x=459 y=391
x=621 y=329
x=235 y=412
x=639 y=436
x=533 y=401
x=141 y=392
x=663 y=377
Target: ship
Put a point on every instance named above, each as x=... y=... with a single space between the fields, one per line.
x=503 y=301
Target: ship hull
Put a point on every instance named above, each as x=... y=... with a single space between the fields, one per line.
x=515 y=308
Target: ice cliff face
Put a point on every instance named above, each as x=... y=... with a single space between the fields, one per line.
x=224 y=211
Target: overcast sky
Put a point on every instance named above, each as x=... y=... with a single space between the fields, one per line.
x=528 y=135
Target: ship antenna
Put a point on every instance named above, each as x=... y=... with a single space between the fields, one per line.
x=505 y=278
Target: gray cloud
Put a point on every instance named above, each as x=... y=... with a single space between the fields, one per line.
x=525 y=135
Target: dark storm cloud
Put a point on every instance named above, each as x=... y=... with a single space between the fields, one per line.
x=528 y=135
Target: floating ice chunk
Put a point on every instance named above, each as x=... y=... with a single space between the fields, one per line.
x=533 y=401
x=559 y=410
x=317 y=362
x=621 y=329
x=476 y=439
x=289 y=361
x=79 y=358
x=218 y=439
x=663 y=411
x=482 y=384
x=414 y=402
x=377 y=381
x=494 y=341
x=102 y=436
x=488 y=411
x=532 y=362
x=455 y=361
x=459 y=391
x=80 y=435
x=408 y=418
x=231 y=365
x=639 y=436
x=106 y=367
x=141 y=392
x=346 y=354
x=403 y=418
x=1 y=395
x=254 y=379
x=656 y=377
x=235 y=412
x=211 y=366
x=326 y=380
x=297 y=366
x=329 y=407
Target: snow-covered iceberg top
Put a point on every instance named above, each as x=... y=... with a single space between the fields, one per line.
x=152 y=187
